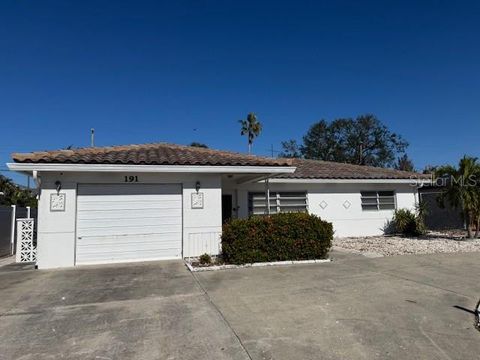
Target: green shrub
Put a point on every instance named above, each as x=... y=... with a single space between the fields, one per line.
x=289 y=236
x=408 y=223
x=205 y=259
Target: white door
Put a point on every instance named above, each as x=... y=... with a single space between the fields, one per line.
x=128 y=222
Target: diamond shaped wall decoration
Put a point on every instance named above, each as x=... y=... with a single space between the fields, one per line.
x=347 y=204
x=323 y=204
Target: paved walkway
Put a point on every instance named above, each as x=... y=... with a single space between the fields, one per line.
x=6 y=260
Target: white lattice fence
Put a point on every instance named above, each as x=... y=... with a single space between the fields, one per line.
x=26 y=251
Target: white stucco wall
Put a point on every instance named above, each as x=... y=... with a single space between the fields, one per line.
x=202 y=227
x=351 y=221
x=56 y=230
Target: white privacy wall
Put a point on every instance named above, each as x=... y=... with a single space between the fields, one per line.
x=348 y=218
x=57 y=230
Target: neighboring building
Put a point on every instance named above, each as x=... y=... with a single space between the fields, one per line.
x=163 y=201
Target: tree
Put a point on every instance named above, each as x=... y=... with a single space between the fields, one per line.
x=404 y=163
x=252 y=128
x=364 y=140
x=462 y=190
x=429 y=169
x=325 y=141
x=290 y=149
x=15 y=195
x=197 y=144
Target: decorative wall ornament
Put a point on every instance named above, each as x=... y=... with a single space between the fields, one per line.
x=323 y=204
x=26 y=251
x=57 y=202
x=197 y=200
x=347 y=204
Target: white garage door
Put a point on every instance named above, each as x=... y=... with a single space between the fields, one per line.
x=128 y=222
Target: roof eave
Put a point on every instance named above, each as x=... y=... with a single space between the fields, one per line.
x=244 y=169
x=412 y=181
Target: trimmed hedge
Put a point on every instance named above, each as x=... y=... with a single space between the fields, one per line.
x=279 y=237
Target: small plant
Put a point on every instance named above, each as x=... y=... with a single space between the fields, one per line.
x=404 y=221
x=410 y=223
x=205 y=259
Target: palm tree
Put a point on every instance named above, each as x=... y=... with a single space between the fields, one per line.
x=250 y=127
x=462 y=190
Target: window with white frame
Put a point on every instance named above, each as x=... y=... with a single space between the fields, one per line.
x=378 y=200
x=279 y=202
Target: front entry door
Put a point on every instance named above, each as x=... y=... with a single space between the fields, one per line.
x=226 y=208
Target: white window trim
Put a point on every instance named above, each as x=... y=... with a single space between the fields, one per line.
x=378 y=200
x=275 y=196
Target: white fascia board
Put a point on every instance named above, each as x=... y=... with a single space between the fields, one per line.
x=413 y=181
x=29 y=167
x=257 y=178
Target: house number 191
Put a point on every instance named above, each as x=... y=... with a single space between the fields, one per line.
x=131 y=178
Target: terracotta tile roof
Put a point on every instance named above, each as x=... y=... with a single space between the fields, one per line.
x=317 y=169
x=170 y=154
x=148 y=154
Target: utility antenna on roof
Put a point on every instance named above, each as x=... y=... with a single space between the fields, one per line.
x=92 y=137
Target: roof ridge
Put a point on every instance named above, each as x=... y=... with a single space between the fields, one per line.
x=162 y=153
x=349 y=165
x=154 y=144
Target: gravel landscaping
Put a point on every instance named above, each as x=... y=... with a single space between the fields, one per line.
x=396 y=245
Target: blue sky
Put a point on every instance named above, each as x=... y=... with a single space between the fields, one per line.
x=182 y=71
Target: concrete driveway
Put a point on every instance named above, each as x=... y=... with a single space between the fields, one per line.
x=404 y=307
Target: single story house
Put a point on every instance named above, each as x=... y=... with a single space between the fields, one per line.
x=164 y=201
